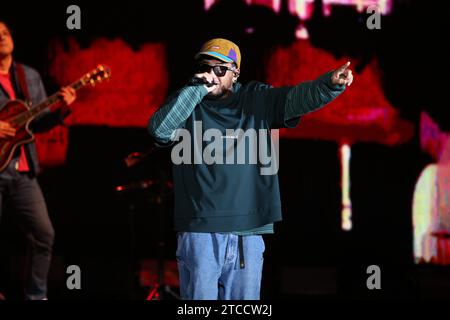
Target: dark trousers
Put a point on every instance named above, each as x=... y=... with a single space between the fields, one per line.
x=24 y=196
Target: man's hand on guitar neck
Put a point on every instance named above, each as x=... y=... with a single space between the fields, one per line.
x=6 y=131
x=68 y=95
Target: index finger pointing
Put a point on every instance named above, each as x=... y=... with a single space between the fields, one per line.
x=345 y=66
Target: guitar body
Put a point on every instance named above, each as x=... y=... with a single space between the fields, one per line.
x=19 y=115
x=23 y=134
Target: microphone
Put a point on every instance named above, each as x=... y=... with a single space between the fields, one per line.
x=195 y=81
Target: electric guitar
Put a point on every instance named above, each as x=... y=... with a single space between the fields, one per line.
x=20 y=115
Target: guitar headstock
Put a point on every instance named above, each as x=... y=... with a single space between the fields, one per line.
x=97 y=75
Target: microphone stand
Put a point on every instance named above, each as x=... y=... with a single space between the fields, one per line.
x=161 y=290
x=163 y=187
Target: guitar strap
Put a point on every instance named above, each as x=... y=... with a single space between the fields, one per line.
x=22 y=164
x=23 y=82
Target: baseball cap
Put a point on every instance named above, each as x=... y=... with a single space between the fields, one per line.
x=221 y=49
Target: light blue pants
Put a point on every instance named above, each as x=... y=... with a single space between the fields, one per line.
x=209 y=266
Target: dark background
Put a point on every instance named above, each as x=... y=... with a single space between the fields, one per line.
x=107 y=233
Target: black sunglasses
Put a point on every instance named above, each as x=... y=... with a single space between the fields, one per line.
x=219 y=70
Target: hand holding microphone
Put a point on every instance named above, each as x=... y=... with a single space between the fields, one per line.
x=205 y=79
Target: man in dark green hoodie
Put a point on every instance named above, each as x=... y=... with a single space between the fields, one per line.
x=225 y=167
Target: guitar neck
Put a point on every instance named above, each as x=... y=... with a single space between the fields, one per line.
x=53 y=99
x=99 y=74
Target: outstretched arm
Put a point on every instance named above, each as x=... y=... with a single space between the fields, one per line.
x=309 y=96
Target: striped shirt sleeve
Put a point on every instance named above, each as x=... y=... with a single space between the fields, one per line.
x=174 y=112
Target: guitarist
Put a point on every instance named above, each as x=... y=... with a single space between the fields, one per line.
x=18 y=182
